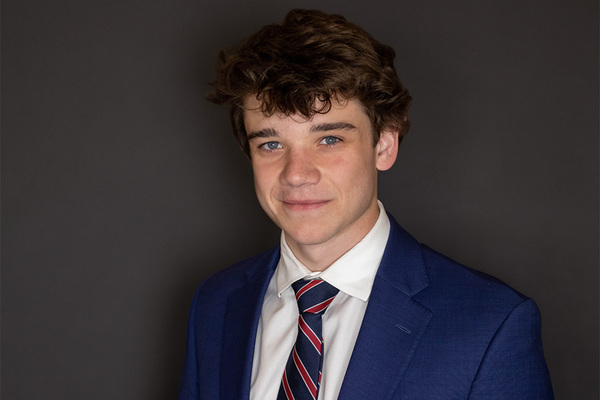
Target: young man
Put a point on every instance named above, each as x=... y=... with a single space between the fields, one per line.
x=349 y=305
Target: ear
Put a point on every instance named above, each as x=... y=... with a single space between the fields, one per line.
x=386 y=149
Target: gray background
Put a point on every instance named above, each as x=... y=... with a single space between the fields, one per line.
x=122 y=189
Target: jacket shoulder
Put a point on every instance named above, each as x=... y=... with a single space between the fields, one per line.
x=459 y=285
x=241 y=272
x=481 y=324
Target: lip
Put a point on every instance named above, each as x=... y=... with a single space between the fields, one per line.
x=304 y=205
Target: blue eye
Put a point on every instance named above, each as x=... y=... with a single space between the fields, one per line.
x=330 y=140
x=271 y=145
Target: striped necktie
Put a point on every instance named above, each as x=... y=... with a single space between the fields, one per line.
x=302 y=376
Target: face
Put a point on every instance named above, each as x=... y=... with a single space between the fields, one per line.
x=317 y=178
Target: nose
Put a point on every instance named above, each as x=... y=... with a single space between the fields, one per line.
x=299 y=169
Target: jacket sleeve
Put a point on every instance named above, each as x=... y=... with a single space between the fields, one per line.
x=513 y=366
x=189 y=385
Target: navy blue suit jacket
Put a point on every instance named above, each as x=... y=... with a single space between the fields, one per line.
x=433 y=329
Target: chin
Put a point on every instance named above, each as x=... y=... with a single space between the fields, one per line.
x=309 y=236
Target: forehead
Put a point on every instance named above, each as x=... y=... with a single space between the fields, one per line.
x=342 y=110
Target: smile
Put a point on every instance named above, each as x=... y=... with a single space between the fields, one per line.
x=304 y=205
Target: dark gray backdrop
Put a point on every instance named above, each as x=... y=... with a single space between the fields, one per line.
x=122 y=189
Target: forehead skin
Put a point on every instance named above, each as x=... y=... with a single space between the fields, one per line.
x=253 y=111
x=253 y=104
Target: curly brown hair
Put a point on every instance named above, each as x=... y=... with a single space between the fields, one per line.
x=311 y=56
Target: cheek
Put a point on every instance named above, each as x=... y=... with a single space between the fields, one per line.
x=352 y=167
x=262 y=190
x=264 y=179
x=357 y=176
x=259 y=185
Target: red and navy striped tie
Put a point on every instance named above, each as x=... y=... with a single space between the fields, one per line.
x=302 y=375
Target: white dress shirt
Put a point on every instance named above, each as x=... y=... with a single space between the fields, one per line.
x=353 y=274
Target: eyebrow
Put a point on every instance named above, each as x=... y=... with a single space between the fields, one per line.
x=332 y=126
x=263 y=133
x=324 y=127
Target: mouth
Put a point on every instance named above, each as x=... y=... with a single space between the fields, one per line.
x=304 y=205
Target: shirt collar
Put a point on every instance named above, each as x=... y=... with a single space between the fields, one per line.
x=353 y=273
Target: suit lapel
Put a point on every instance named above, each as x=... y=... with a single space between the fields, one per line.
x=393 y=323
x=239 y=331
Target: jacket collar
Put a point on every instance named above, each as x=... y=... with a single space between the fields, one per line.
x=393 y=323
x=402 y=265
x=239 y=329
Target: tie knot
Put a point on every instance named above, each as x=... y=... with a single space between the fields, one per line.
x=313 y=296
